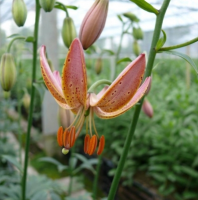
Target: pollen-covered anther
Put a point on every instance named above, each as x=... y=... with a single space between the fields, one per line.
x=92 y=144
x=86 y=143
x=69 y=137
x=60 y=136
x=101 y=145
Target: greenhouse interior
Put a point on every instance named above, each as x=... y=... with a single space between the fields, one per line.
x=98 y=100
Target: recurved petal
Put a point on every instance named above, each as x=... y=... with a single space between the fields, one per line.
x=138 y=95
x=74 y=77
x=51 y=80
x=121 y=91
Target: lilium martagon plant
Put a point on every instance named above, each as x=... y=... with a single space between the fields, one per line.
x=70 y=92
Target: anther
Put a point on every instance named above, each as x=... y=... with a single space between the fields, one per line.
x=66 y=139
x=86 y=143
x=72 y=136
x=101 y=145
x=92 y=145
x=60 y=136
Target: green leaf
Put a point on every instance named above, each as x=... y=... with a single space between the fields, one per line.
x=110 y=52
x=120 y=18
x=127 y=59
x=13 y=160
x=59 y=165
x=13 y=35
x=185 y=57
x=190 y=195
x=145 y=6
x=161 y=41
x=29 y=39
x=189 y=171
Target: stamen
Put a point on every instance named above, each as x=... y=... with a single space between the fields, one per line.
x=93 y=122
x=92 y=145
x=66 y=138
x=60 y=136
x=101 y=145
x=86 y=143
x=72 y=136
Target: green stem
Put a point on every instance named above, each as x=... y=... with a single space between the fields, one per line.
x=97 y=83
x=179 y=45
x=36 y=29
x=157 y=30
x=96 y=177
x=11 y=42
x=71 y=169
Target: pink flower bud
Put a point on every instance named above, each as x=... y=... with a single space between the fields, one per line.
x=93 y=23
x=147 y=108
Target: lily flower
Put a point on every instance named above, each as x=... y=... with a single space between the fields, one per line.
x=71 y=92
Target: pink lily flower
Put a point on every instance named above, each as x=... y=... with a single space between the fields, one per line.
x=70 y=92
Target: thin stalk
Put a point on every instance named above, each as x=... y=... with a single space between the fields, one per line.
x=11 y=42
x=97 y=83
x=157 y=30
x=96 y=178
x=179 y=45
x=20 y=130
x=71 y=176
x=36 y=29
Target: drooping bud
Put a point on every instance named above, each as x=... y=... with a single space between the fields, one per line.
x=147 y=108
x=136 y=48
x=47 y=5
x=19 y=12
x=149 y=87
x=98 y=65
x=137 y=33
x=26 y=101
x=7 y=71
x=131 y=16
x=68 y=31
x=65 y=117
x=93 y=23
x=6 y=95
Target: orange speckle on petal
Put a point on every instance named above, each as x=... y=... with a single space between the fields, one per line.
x=101 y=145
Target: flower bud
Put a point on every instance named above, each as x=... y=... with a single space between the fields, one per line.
x=47 y=5
x=6 y=95
x=19 y=12
x=93 y=23
x=131 y=16
x=65 y=117
x=149 y=87
x=147 y=108
x=98 y=66
x=136 y=48
x=26 y=101
x=137 y=33
x=7 y=71
x=68 y=31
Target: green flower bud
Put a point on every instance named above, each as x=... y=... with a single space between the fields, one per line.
x=131 y=16
x=19 y=12
x=136 y=48
x=98 y=66
x=68 y=31
x=47 y=5
x=7 y=71
x=26 y=101
x=6 y=95
x=137 y=33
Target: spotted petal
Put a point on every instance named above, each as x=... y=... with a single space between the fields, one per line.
x=74 y=78
x=52 y=80
x=138 y=95
x=122 y=90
